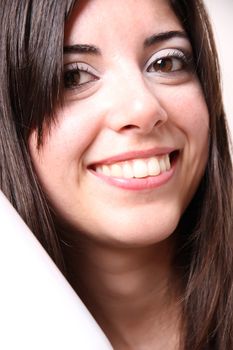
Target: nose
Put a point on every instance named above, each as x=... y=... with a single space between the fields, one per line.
x=134 y=106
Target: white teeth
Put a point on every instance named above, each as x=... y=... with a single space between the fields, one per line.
x=106 y=170
x=99 y=169
x=116 y=170
x=153 y=166
x=127 y=170
x=140 y=168
x=162 y=165
x=137 y=168
x=167 y=162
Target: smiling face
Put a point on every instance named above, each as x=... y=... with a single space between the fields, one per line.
x=131 y=142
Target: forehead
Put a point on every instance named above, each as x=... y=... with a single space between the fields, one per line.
x=97 y=20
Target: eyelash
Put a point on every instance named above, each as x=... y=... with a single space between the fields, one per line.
x=185 y=59
x=78 y=69
x=81 y=69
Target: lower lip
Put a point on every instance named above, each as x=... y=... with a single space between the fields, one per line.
x=135 y=184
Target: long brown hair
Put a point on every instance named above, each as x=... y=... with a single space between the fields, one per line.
x=31 y=49
x=31 y=63
x=206 y=251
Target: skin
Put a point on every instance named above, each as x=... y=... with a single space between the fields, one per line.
x=119 y=242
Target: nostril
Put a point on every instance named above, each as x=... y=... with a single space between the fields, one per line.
x=129 y=127
x=158 y=123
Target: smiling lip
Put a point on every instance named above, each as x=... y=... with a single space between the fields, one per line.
x=135 y=183
x=135 y=155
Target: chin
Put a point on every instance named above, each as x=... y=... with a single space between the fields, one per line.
x=129 y=230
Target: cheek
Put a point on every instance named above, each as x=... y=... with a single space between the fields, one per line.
x=73 y=132
x=77 y=128
x=194 y=123
x=81 y=122
x=189 y=120
x=188 y=110
x=196 y=126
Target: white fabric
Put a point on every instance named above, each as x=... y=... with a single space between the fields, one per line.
x=38 y=308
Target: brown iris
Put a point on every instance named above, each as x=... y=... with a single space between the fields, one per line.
x=164 y=65
x=71 y=78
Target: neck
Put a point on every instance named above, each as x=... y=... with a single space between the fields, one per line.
x=129 y=291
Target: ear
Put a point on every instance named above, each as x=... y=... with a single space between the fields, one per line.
x=39 y=309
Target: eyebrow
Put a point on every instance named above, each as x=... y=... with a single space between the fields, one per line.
x=153 y=39
x=82 y=49
x=157 y=38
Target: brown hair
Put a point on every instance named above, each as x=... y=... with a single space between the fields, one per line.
x=31 y=63
x=206 y=252
x=31 y=47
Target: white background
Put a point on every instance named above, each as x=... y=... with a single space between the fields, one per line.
x=221 y=13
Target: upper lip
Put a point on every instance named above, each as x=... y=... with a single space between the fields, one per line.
x=159 y=151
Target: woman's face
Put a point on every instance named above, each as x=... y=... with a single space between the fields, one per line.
x=131 y=142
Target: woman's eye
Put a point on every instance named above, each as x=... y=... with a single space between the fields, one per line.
x=76 y=76
x=171 y=62
x=166 y=65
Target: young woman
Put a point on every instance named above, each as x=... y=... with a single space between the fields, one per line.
x=115 y=152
